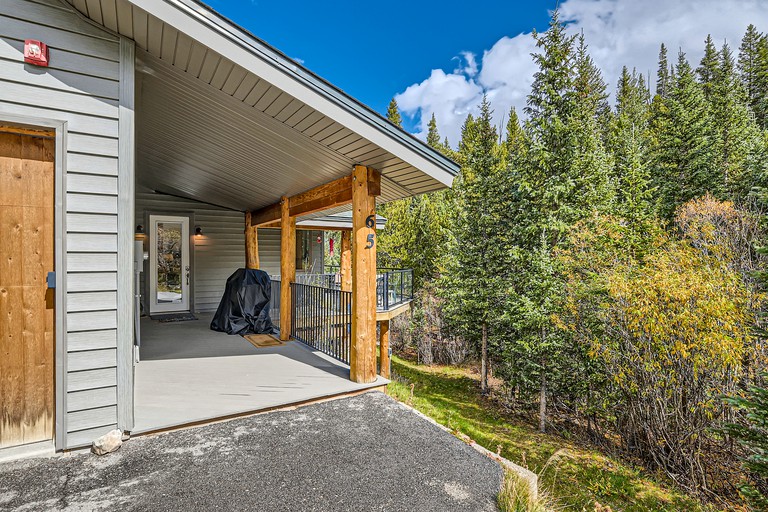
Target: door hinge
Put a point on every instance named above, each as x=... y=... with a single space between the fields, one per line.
x=51 y=279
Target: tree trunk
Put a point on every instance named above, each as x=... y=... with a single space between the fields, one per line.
x=484 y=359
x=543 y=403
x=543 y=387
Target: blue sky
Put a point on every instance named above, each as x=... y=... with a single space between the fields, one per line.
x=441 y=57
x=374 y=50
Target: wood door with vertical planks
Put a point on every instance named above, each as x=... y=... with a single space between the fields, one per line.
x=27 y=316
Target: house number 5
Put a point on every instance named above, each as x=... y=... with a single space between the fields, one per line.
x=370 y=222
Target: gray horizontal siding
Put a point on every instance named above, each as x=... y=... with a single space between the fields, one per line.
x=91 y=340
x=81 y=87
x=269 y=250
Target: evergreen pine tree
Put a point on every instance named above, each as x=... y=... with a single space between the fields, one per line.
x=433 y=137
x=663 y=76
x=683 y=160
x=466 y=142
x=630 y=144
x=749 y=64
x=515 y=140
x=590 y=87
x=563 y=178
x=739 y=143
x=708 y=68
x=474 y=282
x=393 y=114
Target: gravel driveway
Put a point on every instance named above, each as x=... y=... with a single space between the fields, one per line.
x=362 y=453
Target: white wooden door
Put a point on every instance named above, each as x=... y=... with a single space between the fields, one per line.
x=169 y=272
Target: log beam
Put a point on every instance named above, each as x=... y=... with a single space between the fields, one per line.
x=384 y=362
x=363 y=347
x=287 y=268
x=251 y=243
x=330 y=195
x=345 y=261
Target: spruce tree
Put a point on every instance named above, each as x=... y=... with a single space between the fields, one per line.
x=683 y=159
x=590 y=87
x=433 y=137
x=393 y=114
x=708 y=68
x=563 y=178
x=474 y=282
x=514 y=140
x=752 y=65
x=630 y=145
x=663 y=77
x=738 y=143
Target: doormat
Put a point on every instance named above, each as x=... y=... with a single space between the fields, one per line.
x=263 y=340
x=173 y=317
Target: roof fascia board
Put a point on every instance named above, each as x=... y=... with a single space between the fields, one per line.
x=199 y=23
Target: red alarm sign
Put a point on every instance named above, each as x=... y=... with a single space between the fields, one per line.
x=35 y=52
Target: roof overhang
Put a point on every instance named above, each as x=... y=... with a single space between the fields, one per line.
x=204 y=71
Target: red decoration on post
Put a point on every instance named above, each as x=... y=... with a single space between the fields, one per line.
x=330 y=246
x=36 y=52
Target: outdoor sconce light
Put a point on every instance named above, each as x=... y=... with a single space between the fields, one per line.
x=140 y=229
x=198 y=231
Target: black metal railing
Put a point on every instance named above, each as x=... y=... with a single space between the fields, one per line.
x=322 y=319
x=274 y=302
x=332 y=281
x=394 y=286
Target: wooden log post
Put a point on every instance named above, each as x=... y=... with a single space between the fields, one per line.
x=251 y=243
x=287 y=267
x=384 y=362
x=346 y=261
x=362 y=361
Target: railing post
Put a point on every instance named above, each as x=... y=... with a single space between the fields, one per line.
x=386 y=291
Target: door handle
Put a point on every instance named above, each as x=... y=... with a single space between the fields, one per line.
x=187 y=269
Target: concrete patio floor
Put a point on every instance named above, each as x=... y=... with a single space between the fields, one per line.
x=188 y=373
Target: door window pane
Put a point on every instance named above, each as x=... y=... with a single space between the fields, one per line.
x=169 y=269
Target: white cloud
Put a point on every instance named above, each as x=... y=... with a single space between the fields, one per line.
x=467 y=64
x=618 y=32
x=450 y=96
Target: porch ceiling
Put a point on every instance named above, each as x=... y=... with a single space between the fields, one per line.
x=241 y=135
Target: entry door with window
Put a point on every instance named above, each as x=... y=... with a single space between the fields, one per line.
x=169 y=272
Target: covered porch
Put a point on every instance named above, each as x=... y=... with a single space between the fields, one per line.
x=190 y=374
x=229 y=151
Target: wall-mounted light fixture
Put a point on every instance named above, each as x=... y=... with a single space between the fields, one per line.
x=198 y=231
x=139 y=229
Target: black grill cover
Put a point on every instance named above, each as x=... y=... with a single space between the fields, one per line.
x=244 y=308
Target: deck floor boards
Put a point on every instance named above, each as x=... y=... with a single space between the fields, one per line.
x=189 y=373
